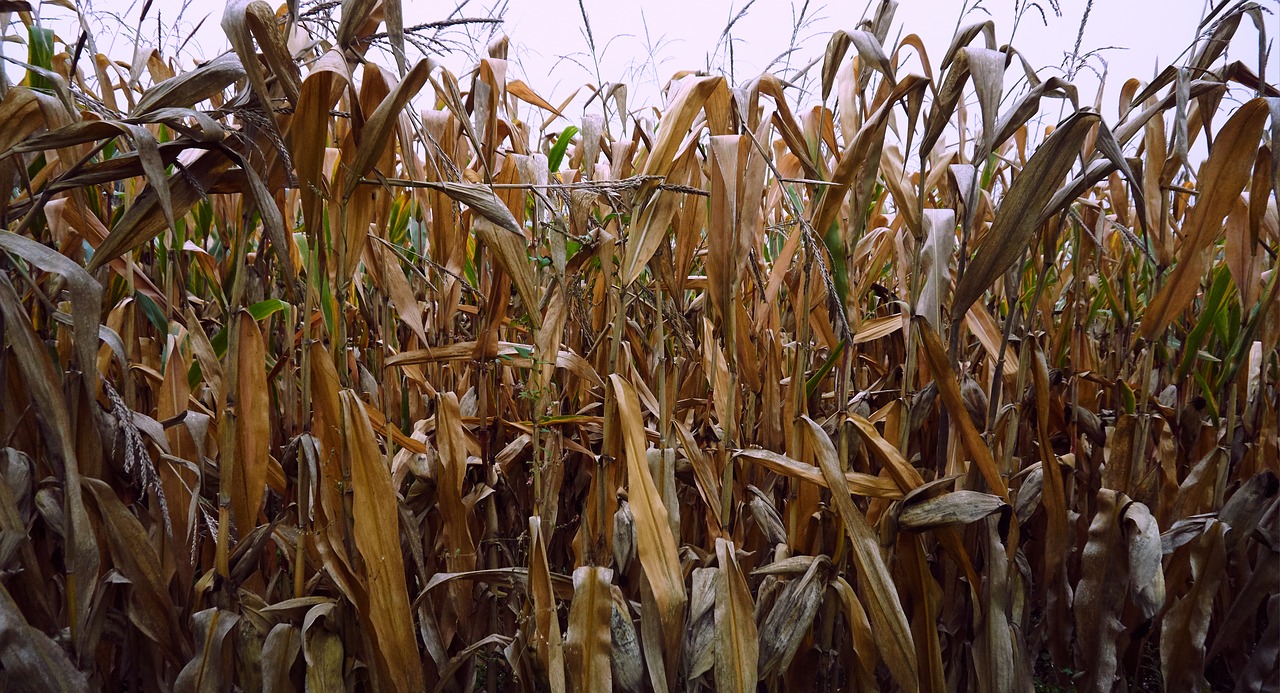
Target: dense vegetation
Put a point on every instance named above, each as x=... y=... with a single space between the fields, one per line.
x=325 y=373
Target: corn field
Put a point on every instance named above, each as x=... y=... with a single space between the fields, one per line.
x=327 y=369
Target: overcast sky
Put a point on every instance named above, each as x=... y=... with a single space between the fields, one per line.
x=644 y=42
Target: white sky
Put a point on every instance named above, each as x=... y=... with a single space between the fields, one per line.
x=549 y=47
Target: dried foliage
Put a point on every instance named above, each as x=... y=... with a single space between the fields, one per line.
x=321 y=374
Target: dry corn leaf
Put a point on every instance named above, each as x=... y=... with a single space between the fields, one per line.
x=381 y=124
x=508 y=245
x=374 y=507
x=211 y=669
x=279 y=652
x=20 y=115
x=30 y=658
x=144 y=219
x=883 y=606
x=784 y=628
x=241 y=199
x=626 y=657
x=935 y=355
x=322 y=649
x=587 y=642
x=451 y=439
x=695 y=95
x=189 y=89
x=550 y=647
x=41 y=384
x=1099 y=598
x=86 y=296
x=1014 y=226
x=935 y=262
x=151 y=608
x=1226 y=173
x=857 y=156
x=728 y=155
x=1186 y=623
x=700 y=636
x=736 y=644
x=955 y=508
x=308 y=136
x=857 y=483
x=247 y=479
x=900 y=470
x=655 y=544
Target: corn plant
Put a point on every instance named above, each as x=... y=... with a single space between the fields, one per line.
x=326 y=368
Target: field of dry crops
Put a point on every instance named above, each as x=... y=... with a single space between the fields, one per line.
x=326 y=374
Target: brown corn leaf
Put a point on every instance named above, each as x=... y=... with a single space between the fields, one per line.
x=280 y=650
x=308 y=136
x=377 y=539
x=791 y=616
x=41 y=383
x=1223 y=177
x=898 y=467
x=322 y=649
x=242 y=22
x=151 y=608
x=728 y=154
x=86 y=296
x=1186 y=623
x=736 y=645
x=699 y=640
x=857 y=483
x=522 y=91
x=253 y=427
x=1099 y=598
x=547 y=640
x=947 y=97
x=21 y=115
x=507 y=578
x=1020 y=212
x=872 y=53
x=381 y=124
x=1261 y=670
x=654 y=541
x=935 y=262
x=30 y=658
x=144 y=219
x=451 y=439
x=394 y=17
x=587 y=642
x=936 y=356
x=858 y=156
x=401 y=294
x=877 y=328
x=864 y=644
x=887 y=617
x=1247 y=506
x=272 y=221
x=957 y=507
x=188 y=89
x=994 y=646
x=696 y=95
x=626 y=657
x=1053 y=492
x=832 y=57
x=1146 y=570
x=987 y=67
x=766 y=516
x=509 y=249
x=355 y=15
x=210 y=671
